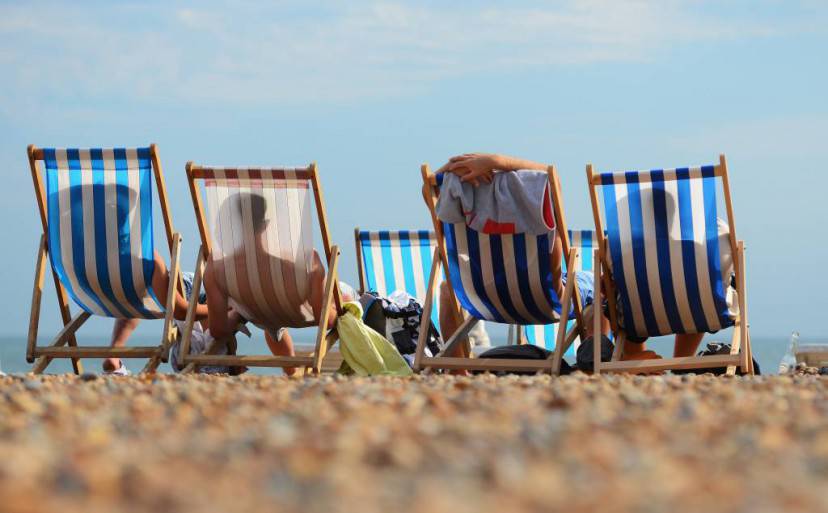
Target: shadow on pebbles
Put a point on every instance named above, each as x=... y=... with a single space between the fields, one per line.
x=424 y=444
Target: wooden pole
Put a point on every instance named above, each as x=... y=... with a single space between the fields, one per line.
x=425 y=323
x=430 y=194
x=321 y=346
x=37 y=294
x=360 y=264
x=323 y=226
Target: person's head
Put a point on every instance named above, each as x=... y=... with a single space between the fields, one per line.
x=235 y=208
x=258 y=210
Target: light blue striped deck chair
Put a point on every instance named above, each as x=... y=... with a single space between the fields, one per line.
x=669 y=260
x=397 y=260
x=96 y=212
x=503 y=278
x=545 y=335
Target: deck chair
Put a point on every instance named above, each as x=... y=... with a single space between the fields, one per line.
x=545 y=335
x=396 y=260
x=96 y=212
x=504 y=278
x=665 y=269
x=257 y=230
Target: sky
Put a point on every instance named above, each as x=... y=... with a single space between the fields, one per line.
x=370 y=90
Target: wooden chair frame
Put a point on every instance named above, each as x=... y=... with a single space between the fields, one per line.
x=571 y=298
x=741 y=327
x=64 y=344
x=312 y=362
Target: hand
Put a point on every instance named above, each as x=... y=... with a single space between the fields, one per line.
x=475 y=168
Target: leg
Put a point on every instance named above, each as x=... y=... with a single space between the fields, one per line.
x=687 y=344
x=281 y=345
x=121 y=331
x=635 y=350
x=448 y=323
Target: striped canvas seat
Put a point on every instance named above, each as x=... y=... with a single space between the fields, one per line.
x=668 y=263
x=505 y=278
x=397 y=260
x=99 y=205
x=262 y=244
x=545 y=335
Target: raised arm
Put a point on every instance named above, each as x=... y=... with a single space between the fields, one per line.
x=478 y=168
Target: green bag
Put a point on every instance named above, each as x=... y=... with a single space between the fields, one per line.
x=364 y=351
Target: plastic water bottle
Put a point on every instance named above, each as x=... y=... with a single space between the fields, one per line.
x=788 y=363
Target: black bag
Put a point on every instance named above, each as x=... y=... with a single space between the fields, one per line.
x=714 y=348
x=584 y=358
x=400 y=325
x=522 y=352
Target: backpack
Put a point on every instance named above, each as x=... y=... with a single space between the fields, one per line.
x=712 y=349
x=399 y=321
x=522 y=352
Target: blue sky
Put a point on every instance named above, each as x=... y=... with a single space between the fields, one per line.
x=370 y=90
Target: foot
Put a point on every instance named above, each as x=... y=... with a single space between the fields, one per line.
x=110 y=365
x=121 y=370
x=641 y=355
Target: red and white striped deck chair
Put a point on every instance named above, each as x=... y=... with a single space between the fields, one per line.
x=257 y=231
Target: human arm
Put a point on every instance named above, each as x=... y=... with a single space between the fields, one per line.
x=479 y=168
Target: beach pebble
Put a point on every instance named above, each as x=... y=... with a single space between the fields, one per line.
x=32 y=384
x=421 y=444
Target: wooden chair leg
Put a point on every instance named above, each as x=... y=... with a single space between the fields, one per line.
x=735 y=345
x=427 y=309
x=741 y=338
x=37 y=294
x=564 y=319
x=166 y=335
x=743 y=310
x=66 y=315
x=321 y=347
x=61 y=338
x=186 y=336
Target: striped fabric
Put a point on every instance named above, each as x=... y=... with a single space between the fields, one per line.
x=262 y=243
x=99 y=208
x=502 y=278
x=545 y=335
x=399 y=260
x=662 y=228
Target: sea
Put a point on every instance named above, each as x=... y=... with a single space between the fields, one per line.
x=767 y=351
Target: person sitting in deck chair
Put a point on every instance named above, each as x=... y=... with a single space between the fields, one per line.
x=225 y=313
x=477 y=169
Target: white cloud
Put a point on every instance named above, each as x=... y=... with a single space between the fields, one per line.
x=244 y=52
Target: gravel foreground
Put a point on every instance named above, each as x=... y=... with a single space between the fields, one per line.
x=425 y=444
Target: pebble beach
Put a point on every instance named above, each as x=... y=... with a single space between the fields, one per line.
x=425 y=444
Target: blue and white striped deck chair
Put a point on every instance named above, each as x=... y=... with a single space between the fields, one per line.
x=671 y=258
x=545 y=335
x=397 y=260
x=96 y=211
x=503 y=278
